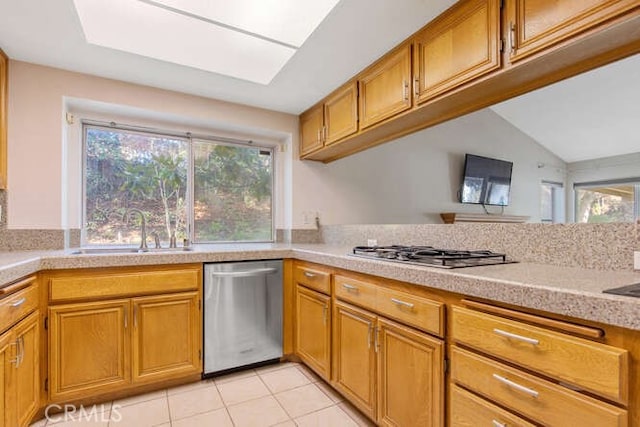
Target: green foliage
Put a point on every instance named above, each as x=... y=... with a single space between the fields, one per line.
x=233 y=187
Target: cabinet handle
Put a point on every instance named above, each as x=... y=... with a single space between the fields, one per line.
x=21 y=351
x=19 y=302
x=350 y=288
x=309 y=275
x=375 y=339
x=369 y=336
x=324 y=314
x=506 y=334
x=516 y=386
x=402 y=303
x=497 y=423
x=16 y=360
x=319 y=140
x=405 y=89
x=416 y=86
x=324 y=133
x=126 y=319
x=512 y=37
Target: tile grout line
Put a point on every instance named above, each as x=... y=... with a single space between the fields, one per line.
x=276 y=399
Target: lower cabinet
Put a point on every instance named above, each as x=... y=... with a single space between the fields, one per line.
x=312 y=339
x=19 y=372
x=392 y=373
x=354 y=356
x=98 y=347
x=88 y=348
x=166 y=337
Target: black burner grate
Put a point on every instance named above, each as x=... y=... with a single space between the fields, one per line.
x=428 y=255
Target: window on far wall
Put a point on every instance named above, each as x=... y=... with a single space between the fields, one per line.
x=551 y=202
x=127 y=170
x=608 y=201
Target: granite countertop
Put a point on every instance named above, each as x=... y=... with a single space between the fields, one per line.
x=569 y=291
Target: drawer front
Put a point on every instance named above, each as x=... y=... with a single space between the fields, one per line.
x=469 y=410
x=412 y=310
x=537 y=399
x=312 y=278
x=17 y=305
x=84 y=286
x=592 y=366
x=355 y=291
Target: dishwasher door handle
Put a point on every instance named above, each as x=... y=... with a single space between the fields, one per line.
x=246 y=273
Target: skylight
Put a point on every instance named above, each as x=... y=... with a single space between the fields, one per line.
x=246 y=39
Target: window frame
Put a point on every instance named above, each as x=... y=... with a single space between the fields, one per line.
x=557 y=202
x=189 y=138
x=634 y=181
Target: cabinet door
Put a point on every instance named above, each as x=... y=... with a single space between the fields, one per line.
x=410 y=377
x=384 y=89
x=27 y=370
x=312 y=332
x=461 y=45
x=533 y=25
x=341 y=113
x=354 y=357
x=311 y=136
x=89 y=348
x=8 y=352
x=166 y=337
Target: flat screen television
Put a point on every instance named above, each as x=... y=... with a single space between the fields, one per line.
x=486 y=181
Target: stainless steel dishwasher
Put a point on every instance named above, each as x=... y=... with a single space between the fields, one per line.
x=242 y=314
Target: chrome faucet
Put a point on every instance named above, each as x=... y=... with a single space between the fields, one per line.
x=143 y=228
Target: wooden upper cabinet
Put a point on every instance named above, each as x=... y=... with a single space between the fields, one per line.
x=384 y=88
x=534 y=25
x=311 y=128
x=4 y=83
x=462 y=44
x=341 y=113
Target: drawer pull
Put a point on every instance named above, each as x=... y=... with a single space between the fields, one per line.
x=516 y=386
x=402 y=303
x=309 y=275
x=516 y=337
x=19 y=302
x=350 y=287
x=497 y=423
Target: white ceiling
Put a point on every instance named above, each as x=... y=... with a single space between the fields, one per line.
x=354 y=34
x=589 y=116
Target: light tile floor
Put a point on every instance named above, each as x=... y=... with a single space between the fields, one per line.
x=288 y=394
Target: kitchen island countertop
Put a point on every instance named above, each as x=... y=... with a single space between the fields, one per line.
x=568 y=291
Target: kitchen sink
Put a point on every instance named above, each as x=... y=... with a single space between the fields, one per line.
x=630 y=290
x=115 y=251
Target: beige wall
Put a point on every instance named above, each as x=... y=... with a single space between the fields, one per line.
x=409 y=180
x=37 y=129
x=413 y=179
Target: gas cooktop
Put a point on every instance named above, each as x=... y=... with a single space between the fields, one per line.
x=430 y=256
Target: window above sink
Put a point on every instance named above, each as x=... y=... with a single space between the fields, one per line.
x=199 y=189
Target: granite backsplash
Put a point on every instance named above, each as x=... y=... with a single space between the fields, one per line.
x=595 y=246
